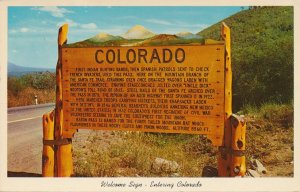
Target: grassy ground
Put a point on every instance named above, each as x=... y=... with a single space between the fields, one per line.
x=21 y=90
x=104 y=153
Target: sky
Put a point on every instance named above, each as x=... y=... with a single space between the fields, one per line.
x=32 y=31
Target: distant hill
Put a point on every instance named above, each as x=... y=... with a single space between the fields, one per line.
x=188 y=35
x=167 y=39
x=138 y=32
x=164 y=37
x=158 y=39
x=262 y=54
x=102 y=37
x=16 y=70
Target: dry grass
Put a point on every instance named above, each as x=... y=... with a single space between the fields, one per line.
x=27 y=97
x=132 y=154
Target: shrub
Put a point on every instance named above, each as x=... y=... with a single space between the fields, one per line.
x=22 y=90
x=281 y=115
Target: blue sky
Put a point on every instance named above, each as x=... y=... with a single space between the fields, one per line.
x=32 y=31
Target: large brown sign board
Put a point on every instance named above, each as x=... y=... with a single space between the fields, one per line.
x=170 y=89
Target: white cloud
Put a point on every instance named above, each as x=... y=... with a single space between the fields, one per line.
x=54 y=11
x=89 y=26
x=24 y=30
x=158 y=21
x=13 y=31
x=30 y=31
x=80 y=33
x=203 y=26
x=70 y=22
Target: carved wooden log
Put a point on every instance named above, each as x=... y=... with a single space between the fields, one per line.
x=48 y=151
x=64 y=162
x=231 y=159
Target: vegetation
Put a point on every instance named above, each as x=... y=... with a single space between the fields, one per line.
x=262 y=54
x=280 y=115
x=22 y=90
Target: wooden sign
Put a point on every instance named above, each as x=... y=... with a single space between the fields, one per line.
x=170 y=89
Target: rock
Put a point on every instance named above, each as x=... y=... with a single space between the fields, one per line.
x=248 y=174
x=252 y=173
x=259 y=167
x=209 y=171
x=175 y=175
x=163 y=165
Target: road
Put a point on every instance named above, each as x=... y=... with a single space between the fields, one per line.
x=24 y=139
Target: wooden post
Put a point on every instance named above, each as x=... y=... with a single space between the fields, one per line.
x=63 y=153
x=231 y=160
x=238 y=130
x=48 y=151
x=224 y=159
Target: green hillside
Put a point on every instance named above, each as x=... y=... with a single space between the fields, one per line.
x=262 y=54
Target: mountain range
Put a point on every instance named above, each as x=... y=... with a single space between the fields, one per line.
x=103 y=37
x=188 y=35
x=138 y=32
x=138 y=35
x=16 y=70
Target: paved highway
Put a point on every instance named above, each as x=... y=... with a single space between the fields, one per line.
x=24 y=139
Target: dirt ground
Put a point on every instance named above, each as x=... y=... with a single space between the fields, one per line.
x=272 y=146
